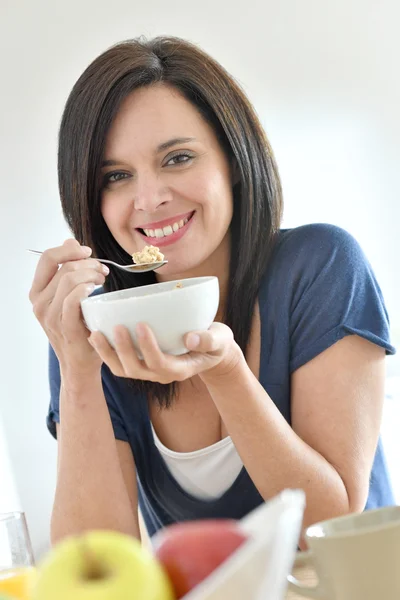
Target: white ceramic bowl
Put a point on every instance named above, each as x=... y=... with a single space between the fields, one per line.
x=171 y=311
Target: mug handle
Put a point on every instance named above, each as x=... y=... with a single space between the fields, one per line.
x=305 y=559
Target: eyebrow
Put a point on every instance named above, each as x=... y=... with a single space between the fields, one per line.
x=161 y=148
x=174 y=142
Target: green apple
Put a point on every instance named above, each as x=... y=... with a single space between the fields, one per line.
x=101 y=565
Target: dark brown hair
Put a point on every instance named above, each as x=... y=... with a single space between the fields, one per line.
x=89 y=112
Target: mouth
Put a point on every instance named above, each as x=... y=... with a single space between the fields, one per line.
x=165 y=232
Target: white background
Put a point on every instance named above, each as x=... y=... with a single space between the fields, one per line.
x=324 y=78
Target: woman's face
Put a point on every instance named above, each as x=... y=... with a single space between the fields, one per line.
x=167 y=182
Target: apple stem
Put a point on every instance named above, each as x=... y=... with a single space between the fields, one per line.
x=94 y=569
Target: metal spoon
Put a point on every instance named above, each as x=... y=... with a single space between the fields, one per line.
x=133 y=268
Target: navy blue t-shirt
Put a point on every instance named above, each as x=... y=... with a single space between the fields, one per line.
x=318 y=288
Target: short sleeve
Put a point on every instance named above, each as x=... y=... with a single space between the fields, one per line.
x=335 y=294
x=110 y=392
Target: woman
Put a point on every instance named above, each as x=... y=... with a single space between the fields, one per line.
x=159 y=145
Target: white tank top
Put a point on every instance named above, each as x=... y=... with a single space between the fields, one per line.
x=207 y=473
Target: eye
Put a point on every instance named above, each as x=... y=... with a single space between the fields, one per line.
x=179 y=159
x=114 y=177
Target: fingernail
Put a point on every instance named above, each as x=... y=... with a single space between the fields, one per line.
x=86 y=250
x=90 y=287
x=105 y=269
x=193 y=341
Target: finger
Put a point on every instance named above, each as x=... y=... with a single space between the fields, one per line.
x=162 y=367
x=107 y=354
x=77 y=265
x=66 y=286
x=155 y=360
x=71 y=318
x=50 y=261
x=127 y=353
x=211 y=341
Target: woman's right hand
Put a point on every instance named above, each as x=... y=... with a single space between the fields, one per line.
x=56 y=294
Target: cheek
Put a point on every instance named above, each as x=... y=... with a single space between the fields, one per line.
x=214 y=193
x=106 y=211
x=113 y=212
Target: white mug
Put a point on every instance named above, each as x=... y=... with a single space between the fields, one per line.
x=356 y=557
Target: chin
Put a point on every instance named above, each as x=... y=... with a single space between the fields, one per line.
x=180 y=269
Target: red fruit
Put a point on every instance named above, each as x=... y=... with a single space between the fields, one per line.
x=192 y=550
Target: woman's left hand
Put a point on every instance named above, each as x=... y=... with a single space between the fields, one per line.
x=213 y=351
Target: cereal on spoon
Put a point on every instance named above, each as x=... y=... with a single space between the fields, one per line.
x=149 y=254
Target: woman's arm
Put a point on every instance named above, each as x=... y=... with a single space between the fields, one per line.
x=96 y=484
x=336 y=402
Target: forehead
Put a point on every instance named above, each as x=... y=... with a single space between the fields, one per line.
x=152 y=115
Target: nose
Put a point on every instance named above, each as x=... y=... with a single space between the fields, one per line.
x=149 y=194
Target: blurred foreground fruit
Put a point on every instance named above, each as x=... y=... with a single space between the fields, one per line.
x=192 y=550
x=16 y=583
x=101 y=565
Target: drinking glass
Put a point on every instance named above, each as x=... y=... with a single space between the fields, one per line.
x=16 y=556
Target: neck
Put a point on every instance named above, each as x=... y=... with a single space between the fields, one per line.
x=216 y=265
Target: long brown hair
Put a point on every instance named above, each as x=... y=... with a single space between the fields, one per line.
x=90 y=109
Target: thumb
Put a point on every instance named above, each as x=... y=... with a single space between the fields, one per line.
x=211 y=340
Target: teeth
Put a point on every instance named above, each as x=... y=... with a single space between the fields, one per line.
x=168 y=230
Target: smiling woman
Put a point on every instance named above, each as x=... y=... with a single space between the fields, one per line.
x=158 y=145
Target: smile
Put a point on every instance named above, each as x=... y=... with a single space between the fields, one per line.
x=166 y=231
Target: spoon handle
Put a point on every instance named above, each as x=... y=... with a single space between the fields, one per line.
x=109 y=262
x=133 y=268
x=102 y=260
